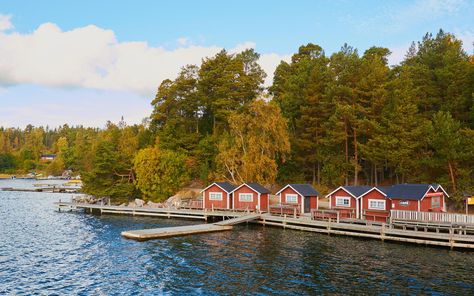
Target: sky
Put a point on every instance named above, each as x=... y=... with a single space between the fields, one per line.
x=86 y=62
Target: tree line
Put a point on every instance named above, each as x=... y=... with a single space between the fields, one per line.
x=345 y=118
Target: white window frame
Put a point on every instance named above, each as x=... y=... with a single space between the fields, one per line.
x=404 y=203
x=245 y=199
x=436 y=205
x=295 y=196
x=215 y=195
x=377 y=201
x=339 y=204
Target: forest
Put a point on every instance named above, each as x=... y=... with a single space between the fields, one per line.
x=348 y=118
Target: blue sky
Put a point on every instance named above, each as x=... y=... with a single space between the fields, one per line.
x=64 y=53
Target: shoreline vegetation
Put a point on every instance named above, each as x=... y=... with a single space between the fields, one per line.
x=329 y=120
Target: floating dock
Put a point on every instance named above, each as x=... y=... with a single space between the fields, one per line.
x=156 y=233
x=434 y=234
x=164 y=232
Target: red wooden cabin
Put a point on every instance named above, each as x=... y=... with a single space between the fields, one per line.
x=375 y=205
x=250 y=196
x=418 y=197
x=346 y=200
x=218 y=195
x=301 y=196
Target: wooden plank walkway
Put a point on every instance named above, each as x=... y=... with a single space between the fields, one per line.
x=238 y=220
x=165 y=232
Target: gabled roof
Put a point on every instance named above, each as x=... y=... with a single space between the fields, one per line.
x=301 y=189
x=357 y=191
x=337 y=189
x=226 y=186
x=255 y=187
x=409 y=191
x=372 y=189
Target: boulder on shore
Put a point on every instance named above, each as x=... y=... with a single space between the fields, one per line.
x=139 y=202
x=151 y=204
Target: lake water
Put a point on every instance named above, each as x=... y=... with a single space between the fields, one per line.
x=46 y=252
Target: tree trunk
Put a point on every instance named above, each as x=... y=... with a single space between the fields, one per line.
x=319 y=173
x=314 y=173
x=375 y=175
x=356 y=159
x=347 y=151
x=451 y=174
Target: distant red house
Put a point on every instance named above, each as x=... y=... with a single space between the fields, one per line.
x=218 y=195
x=302 y=195
x=250 y=196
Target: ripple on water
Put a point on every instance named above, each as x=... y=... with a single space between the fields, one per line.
x=43 y=251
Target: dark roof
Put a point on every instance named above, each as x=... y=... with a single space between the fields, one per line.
x=226 y=186
x=384 y=189
x=408 y=191
x=357 y=190
x=257 y=187
x=48 y=155
x=305 y=189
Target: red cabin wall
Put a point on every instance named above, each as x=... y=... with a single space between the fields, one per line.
x=244 y=205
x=264 y=202
x=412 y=205
x=374 y=194
x=314 y=202
x=313 y=199
x=345 y=212
x=289 y=190
x=342 y=192
x=426 y=203
x=222 y=204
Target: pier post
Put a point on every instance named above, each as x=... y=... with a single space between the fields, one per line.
x=382 y=232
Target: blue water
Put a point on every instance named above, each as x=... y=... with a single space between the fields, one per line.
x=46 y=252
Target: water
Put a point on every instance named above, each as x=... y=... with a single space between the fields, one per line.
x=50 y=253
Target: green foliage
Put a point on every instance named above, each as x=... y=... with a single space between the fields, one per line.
x=105 y=179
x=346 y=118
x=159 y=173
x=7 y=162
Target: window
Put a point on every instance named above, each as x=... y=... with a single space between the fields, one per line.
x=376 y=204
x=435 y=202
x=291 y=198
x=343 y=201
x=215 y=195
x=246 y=197
x=404 y=203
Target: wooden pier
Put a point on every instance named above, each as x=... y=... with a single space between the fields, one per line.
x=454 y=235
x=165 y=232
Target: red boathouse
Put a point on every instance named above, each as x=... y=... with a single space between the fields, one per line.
x=346 y=200
x=218 y=195
x=417 y=197
x=250 y=196
x=375 y=205
x=303 y=196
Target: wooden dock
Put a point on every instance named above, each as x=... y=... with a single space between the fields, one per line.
x=434 y=234
x=165 y=232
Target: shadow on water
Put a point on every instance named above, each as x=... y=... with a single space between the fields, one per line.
x=43 y=251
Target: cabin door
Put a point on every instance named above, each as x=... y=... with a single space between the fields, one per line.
x=307 y=204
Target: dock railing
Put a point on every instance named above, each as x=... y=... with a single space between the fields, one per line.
x=431 y=217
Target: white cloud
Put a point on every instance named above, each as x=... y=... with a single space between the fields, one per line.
x=91 y=57
x=5 y=22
